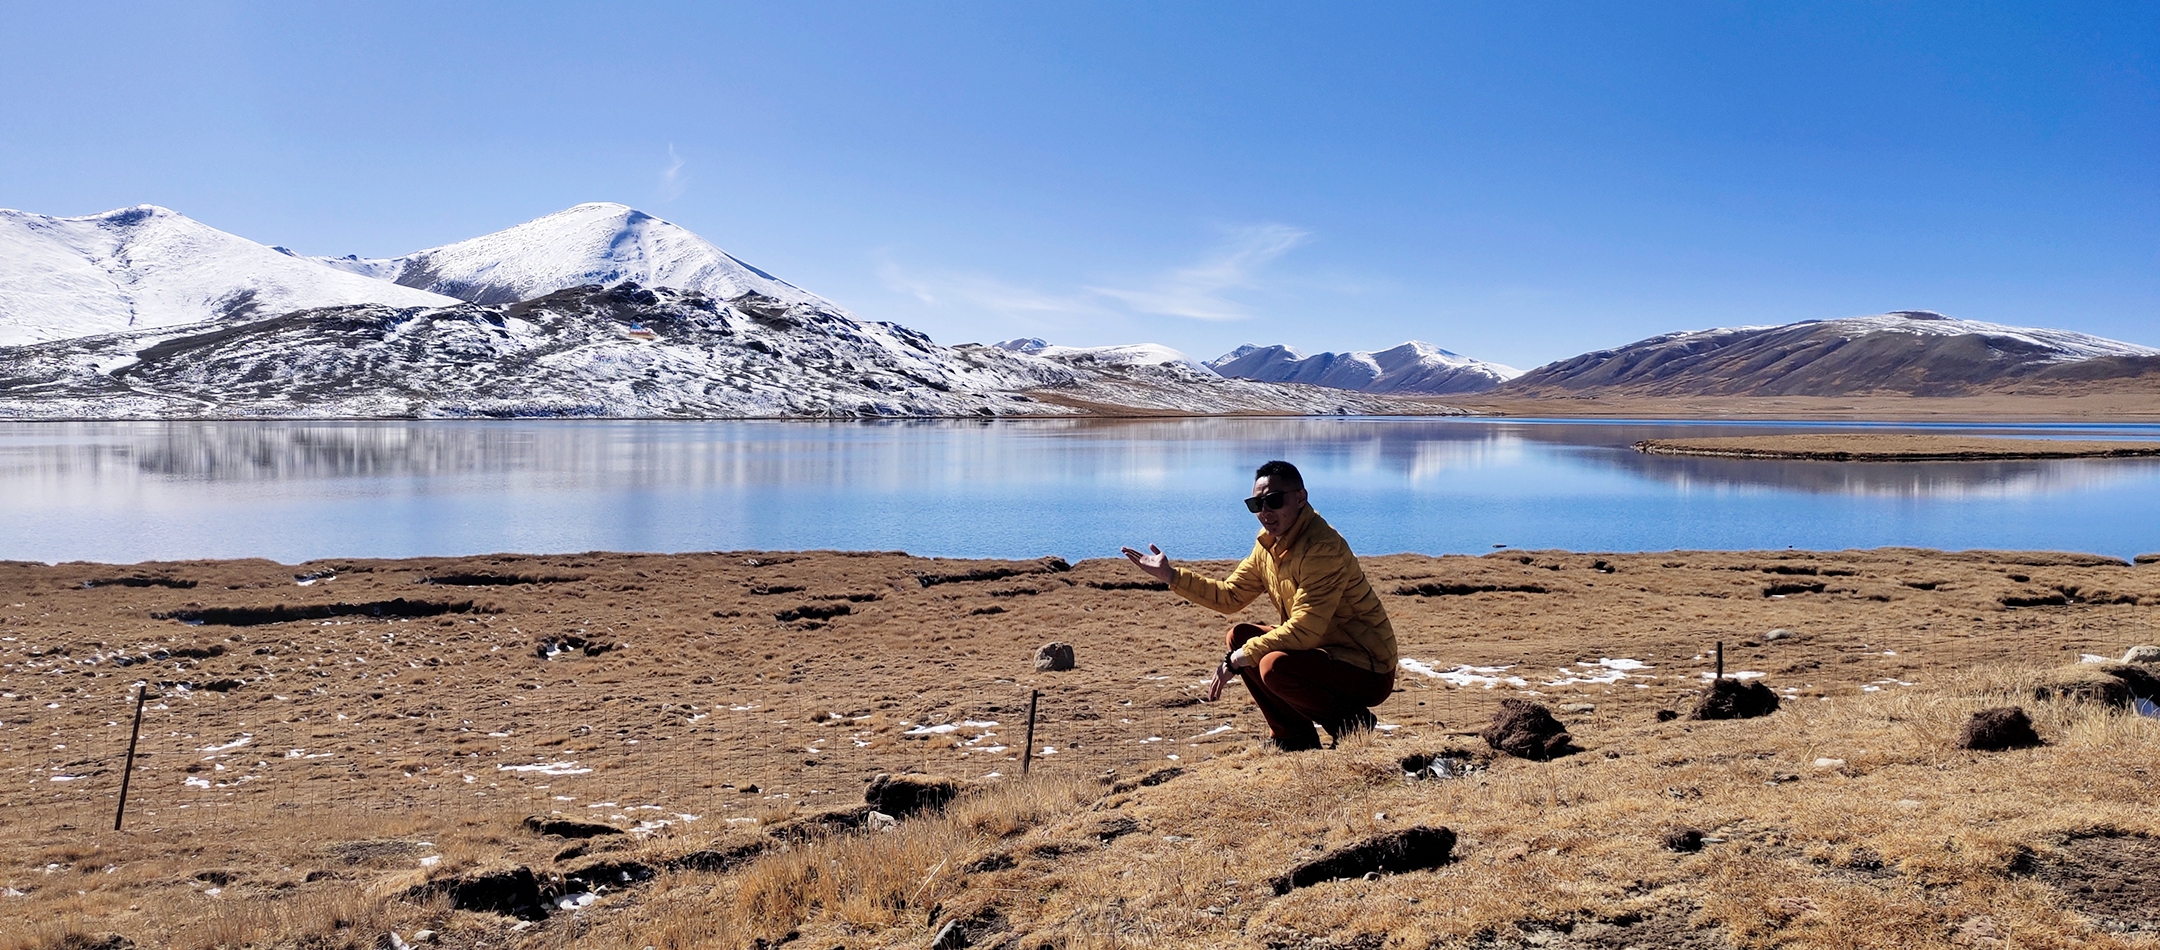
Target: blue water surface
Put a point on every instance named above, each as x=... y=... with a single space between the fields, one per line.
x=294 y=491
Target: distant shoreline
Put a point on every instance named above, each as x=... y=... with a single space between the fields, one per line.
x=1893 y=447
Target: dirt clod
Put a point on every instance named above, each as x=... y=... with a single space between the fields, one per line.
x=512 y=892
x=1053 y=657
x=2003 y=727
x=1410 y=849
x=1683 y=840
x=904 y=795
x=1732 y=699
x=1527 y=730
x=567 y=827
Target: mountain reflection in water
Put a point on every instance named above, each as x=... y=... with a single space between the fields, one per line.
x=1080 y=488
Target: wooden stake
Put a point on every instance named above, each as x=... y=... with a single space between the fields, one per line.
x=1721 y=659
x=128 y=772
x=1027 y=755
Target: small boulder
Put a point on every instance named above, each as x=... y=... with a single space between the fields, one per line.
x=1776 y=635
x=902 y=796
x=1053 y=657
x=1993 y=730
x=1732 y=699
x=1527 y=730
x=2145 y=654
x=1411 y=849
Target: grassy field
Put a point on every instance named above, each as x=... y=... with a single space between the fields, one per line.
x=322 y=764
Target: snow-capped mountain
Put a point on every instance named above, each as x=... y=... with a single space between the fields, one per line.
x=597 y=243
x=1128 y=354
x=1413 y=367
x=1908 y=352
x=146 y=267
x=623 y=351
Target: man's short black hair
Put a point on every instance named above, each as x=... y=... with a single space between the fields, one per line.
x=1283 y=474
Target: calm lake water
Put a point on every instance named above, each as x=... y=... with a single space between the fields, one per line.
x=292 y=491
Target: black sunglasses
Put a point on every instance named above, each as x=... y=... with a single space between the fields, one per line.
x=1271 y=501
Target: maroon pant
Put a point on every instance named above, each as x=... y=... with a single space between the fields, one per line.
x=1296 y=688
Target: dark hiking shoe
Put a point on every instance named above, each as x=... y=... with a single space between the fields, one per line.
x=1276 y=744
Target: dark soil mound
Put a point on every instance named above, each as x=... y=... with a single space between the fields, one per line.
x=1527 y=730
x=2114 y=879
x=903 y=795
x=1993 y=730
x=607 y=872
x=718 y=861
x=822 y=823
x=1683 y=840
x=568 y=827
x=1411 y=849
x=1732 y=699
x=513 y=892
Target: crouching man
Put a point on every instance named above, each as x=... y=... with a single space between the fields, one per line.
x=1332 y=656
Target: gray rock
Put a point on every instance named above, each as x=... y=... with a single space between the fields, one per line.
x=2144 y=653
x=1054 y=656
x=1579 y=708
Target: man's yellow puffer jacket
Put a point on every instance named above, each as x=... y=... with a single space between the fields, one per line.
x=1318 y=589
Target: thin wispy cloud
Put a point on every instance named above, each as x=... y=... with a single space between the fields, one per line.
x=1199 y=292
x=672 y=179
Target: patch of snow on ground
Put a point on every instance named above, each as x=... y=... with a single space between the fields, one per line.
x=1606 y=670
x=245 y=738
x=1485 y=676
x=545 y=768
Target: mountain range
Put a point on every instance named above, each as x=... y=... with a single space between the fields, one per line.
x=601 y=309
x=1905 y=352
x=1413 y=367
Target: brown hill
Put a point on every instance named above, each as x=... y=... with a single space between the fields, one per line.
x=1908 y=352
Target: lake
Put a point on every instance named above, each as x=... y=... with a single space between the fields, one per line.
x=294 y=491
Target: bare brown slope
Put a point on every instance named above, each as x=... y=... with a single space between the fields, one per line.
x=1823 y=359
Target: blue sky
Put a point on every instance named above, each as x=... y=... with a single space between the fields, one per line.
x=1518 y=182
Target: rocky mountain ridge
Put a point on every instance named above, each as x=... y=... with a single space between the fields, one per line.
x=1413 y=367
x=621 y=352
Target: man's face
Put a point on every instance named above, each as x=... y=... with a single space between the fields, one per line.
x=1277 y=520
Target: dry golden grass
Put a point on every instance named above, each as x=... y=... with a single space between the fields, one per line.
x=1901 y=841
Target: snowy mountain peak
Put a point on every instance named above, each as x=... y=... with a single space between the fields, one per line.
x=599 y=242
x=1413 y=367
x=2031 y=342
x=146 y=266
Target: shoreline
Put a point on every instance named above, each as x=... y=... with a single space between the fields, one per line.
x=1900 y=447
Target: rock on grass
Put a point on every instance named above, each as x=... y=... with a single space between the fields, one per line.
x=1527 y=730
x=1732 y=699
x=1410 y=849
x=2003 y=727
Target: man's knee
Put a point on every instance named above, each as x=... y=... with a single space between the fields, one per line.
x=1239 y=633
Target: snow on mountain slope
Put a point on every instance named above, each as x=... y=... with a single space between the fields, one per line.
x=146 y=267
x=1911 y=352
x=624 y=351
x=1413 y=367
x=595 y=243
x=1129 y=354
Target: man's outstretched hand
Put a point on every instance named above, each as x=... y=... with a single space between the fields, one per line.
x=1155 y=563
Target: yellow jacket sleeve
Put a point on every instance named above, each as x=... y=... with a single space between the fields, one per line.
x=1320 y=580
x=1244 y=585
